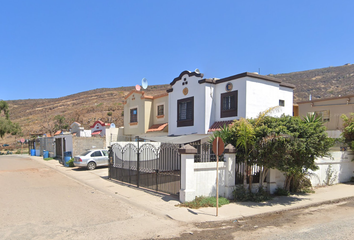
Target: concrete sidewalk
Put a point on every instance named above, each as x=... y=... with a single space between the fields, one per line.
x=165 y=205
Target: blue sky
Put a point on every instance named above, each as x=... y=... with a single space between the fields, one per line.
x=55 y=48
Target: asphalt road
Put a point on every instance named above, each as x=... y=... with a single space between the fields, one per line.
x=37 y=202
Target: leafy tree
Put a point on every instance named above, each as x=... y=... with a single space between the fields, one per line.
x=293 y=146
x=224 y=133
x=348 y=129
x=289 y=144
x=6 y=126
x=60 y=123
x=4 y=108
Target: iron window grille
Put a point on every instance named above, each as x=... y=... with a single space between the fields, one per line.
x=160 y=110
x=185 y=112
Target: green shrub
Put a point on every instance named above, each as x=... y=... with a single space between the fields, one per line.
x=71 y=162
x=18 y=151
x=199 y=202
x=242 y=194
x=281 y=192
x=46 y=159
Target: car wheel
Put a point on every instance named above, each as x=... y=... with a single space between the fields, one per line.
x=91 y=165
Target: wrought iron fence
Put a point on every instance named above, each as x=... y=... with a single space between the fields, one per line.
x=205 y=152
x=147 y=165
x=255 y=171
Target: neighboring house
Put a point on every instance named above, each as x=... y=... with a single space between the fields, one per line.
x=198 y=105
x=99 y=129
x=330 y=109
x=145 y=114
x=78 y=131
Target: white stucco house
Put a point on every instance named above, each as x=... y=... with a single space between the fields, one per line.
x=199 y=106
x=78 y=131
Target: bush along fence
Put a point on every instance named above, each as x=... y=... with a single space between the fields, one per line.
x=199 y=178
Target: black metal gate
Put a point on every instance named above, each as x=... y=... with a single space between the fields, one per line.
x=147 y=165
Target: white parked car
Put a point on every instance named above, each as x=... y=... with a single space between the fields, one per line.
x=92 y=159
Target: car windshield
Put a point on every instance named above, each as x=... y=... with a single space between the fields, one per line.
x=105 y=152
x=85 y=153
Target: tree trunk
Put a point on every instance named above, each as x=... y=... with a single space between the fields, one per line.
x=263 y=175
x=245 y=175
x=250 y=178
x=287 y=182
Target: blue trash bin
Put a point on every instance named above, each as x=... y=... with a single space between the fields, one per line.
x=33 y=152
x=45 y=154
x=67 y=157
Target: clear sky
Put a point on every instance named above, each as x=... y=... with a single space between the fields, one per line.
x=54 y=48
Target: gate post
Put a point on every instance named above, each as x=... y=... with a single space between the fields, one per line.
x=110 y=161
x=187 y=191
x=230 y=175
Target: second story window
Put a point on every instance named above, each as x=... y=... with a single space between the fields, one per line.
x=160 y=110
x=281 y=103
x=228 y=104
x=134 y=115
x=185 y=112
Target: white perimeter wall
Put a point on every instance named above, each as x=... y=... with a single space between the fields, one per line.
x=205 y=179
x=341 y=164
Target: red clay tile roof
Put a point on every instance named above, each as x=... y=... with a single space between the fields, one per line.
x=96 y=132
x=57 y=132
x=217 y=125
x=157 y=127
x=101 y=123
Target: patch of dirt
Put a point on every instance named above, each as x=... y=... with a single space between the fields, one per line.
x=270 y=224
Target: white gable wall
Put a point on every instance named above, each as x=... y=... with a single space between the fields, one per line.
x=99 y=127
x=195 y=90
x=287 y=95
x=261 y=95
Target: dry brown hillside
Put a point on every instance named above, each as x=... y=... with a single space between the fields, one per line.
x=321 y=83
x=87 y=107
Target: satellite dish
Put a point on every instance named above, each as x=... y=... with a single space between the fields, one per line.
x=197 y=71
x=144 y=83
x=137 y=87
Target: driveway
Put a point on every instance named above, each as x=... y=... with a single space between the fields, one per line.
x=38 y=202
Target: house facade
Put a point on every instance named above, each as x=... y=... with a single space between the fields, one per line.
x=78 y=131
x=145 y=114
x=330 y=109
x=99 y=128
x=197 y=104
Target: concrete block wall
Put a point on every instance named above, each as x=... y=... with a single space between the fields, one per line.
x=81 y=144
